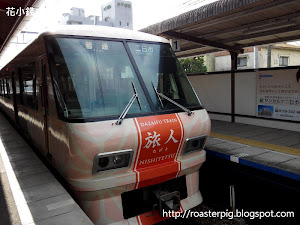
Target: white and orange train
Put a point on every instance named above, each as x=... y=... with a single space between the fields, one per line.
x=115 y=114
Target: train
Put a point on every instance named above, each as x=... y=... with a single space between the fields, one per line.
x=114 y=113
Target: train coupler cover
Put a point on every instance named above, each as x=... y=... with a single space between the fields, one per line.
x=167 y=201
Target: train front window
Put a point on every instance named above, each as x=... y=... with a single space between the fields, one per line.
x=158 y=65
x=94 y=78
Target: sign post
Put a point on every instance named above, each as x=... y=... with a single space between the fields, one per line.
x=175 y=43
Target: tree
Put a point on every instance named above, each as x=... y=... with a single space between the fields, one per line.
x=193 y=65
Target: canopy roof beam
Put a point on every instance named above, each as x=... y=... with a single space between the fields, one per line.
x=203 y=41
x=251 y=26
x=264 y=33
x=283 y=39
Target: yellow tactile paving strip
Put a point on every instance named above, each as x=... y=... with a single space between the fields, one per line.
x=278 y=148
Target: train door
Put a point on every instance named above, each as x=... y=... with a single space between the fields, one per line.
x=13 y=79
x=44 y=103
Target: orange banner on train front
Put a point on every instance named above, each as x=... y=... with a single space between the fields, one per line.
x=160 y=140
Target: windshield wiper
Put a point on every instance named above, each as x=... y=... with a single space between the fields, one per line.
x=158 y=94
x=131 y=101
x=60 y=99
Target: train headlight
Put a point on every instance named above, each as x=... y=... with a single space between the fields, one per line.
x=117 y=159
x=194 y=144
x=103 y=162
x=112 y=160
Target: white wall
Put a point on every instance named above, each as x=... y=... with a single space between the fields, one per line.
x=245 y=93
x=118 y=13
x=209 y=62
x=214 y=91
x=293 y=55
x=223 y=63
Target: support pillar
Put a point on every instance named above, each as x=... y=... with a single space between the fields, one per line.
x=256 y=57
x=233 y=69
x=269 y=56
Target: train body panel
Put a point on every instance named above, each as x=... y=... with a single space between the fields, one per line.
x=70 y=94
x=8 y=107
x=104 y=137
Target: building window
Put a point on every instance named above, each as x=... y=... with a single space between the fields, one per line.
x=127 y=24
x=242 y=61
x=283 y=61
x=120 y=23
x=107 y=7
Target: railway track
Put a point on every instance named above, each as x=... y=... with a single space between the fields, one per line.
x=254 y=191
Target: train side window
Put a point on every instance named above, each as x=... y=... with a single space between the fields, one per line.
x=7 y=84
x=18 y=84
x=11 y=84
x=4 y=87
x=28 y=85
x=0 y=87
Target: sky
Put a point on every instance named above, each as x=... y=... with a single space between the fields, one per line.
x=145 y=13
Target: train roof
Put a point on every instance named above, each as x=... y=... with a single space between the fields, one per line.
x=102 y=31
x=90 y=31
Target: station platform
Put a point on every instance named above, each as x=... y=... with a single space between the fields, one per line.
x=273 y=150
x=29 y=192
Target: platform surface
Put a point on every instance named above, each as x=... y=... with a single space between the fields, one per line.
x=29 y=193
x=273 y=150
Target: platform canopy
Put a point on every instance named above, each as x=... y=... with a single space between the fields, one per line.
x=232 y=25
x=9 y=24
